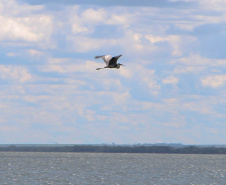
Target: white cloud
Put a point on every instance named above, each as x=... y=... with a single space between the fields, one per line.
x=94 y=16
x=170 y=80
x=77 y=28
x=22 y=25
x=136 y=41
x=214 y=81
x=102 y=16
x=125 y=72
x=15 y=30
x=34 y=52
x=11 y=129
x=216 y=5
x=67 y=67
x=12 y=7
x=122 y=20
x=151 y=84
x=213 y=5
x=188 y=69
x=142 y=43
x=199 y=61
x=74 y=20
x=84 y=44
x=85 y=22
x=15 y=73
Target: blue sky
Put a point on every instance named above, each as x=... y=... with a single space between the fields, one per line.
x=172 y=88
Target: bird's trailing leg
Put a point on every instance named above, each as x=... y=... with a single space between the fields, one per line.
x=99 y=68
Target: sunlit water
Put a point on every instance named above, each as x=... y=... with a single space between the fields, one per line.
x=103 y=168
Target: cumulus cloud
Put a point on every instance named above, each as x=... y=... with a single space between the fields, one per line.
x=15 y=73
x=60 y=90
x=12 y=7
x=213 y=81
x=14 y=30
x=23 y=24
x=173 y=40
x=197 y=60
x=84 y=24
x=65 y=66
x=170 y=80
x=94 y=16
x=148 y=78
x=85 y=44
x=126 y=72
x=188 y=69
x=217 y=5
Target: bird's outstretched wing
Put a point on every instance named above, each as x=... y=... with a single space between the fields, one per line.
x=106 y=58
x=113 y=61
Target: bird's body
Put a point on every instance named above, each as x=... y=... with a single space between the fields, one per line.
x=111 y=62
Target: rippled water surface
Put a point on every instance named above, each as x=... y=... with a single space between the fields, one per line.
x=103 y=168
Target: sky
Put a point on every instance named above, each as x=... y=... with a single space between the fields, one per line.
x=172 y=88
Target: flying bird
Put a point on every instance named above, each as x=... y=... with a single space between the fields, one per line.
x=111 y=62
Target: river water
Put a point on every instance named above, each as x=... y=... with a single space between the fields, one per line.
x=110 y=169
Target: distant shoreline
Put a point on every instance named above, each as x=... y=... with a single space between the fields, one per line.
x=114 y=149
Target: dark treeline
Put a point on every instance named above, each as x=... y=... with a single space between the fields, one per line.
x=116 y=149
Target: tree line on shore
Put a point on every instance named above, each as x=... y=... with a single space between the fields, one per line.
x=116 y=149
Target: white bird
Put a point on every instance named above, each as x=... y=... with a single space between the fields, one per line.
x=111 y=62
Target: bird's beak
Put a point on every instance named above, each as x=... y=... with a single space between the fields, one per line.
x=118 y=56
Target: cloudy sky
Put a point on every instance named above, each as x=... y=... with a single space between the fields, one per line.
x=172 y=88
